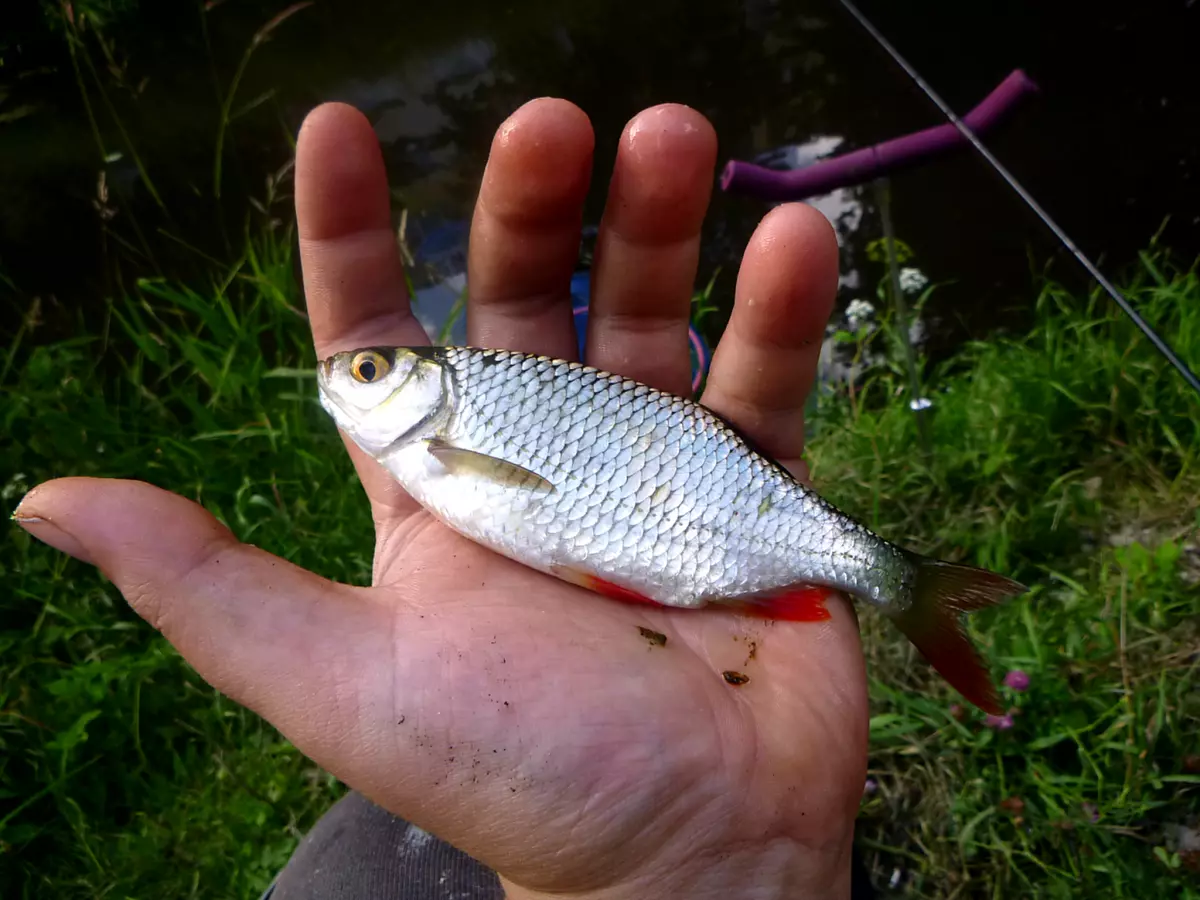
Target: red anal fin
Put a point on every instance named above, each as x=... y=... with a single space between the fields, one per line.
x=605 y=588
x=794 y=603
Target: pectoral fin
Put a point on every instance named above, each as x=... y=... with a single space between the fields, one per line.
x=470 y=462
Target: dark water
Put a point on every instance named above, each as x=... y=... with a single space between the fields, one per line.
x=1110 y=147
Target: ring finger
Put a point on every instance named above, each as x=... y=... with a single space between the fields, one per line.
x=648 y=247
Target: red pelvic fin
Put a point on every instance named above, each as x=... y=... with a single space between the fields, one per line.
x=793 y=603
x=601 y=586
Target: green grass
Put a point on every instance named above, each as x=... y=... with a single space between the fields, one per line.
x=121 y=772
x=1067 y=457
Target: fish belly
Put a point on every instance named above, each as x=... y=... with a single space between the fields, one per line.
x=586 y=532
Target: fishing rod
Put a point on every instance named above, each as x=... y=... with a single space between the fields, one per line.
x=1012 y=182
x=877 y=160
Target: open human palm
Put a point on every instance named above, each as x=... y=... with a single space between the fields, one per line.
x=547 y=731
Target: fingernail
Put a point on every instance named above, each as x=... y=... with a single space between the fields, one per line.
x=47 y=531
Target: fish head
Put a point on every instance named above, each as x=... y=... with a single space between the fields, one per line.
x=382 y=397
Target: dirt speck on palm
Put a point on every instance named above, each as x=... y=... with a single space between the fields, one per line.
x=656 y=638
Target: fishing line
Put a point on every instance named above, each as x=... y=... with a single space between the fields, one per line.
x=1012 y=182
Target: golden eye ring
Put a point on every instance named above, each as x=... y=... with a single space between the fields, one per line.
x=368 y=366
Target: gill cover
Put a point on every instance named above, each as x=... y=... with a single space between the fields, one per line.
x=383 y=396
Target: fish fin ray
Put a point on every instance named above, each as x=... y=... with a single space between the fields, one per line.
x=942 y=594
x=461 y=461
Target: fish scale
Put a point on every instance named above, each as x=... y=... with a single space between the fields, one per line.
x=750 y=530
x=635 y=493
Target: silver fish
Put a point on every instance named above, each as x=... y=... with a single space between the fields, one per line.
x=637 y=494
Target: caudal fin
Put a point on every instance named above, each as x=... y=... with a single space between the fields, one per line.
x=934 y=623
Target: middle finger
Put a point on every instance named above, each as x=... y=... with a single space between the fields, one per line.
x=525 y=233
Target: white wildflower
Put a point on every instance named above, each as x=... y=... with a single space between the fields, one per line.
x=858 y=312
x=912 y=281
x=916 y=332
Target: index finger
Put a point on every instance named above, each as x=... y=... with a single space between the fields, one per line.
x=353 y=278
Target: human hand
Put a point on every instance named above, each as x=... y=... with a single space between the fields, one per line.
x=520 y=718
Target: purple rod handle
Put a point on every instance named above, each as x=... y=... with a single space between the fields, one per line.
x=863 y=165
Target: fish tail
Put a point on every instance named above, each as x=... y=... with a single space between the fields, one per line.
x=942 y=593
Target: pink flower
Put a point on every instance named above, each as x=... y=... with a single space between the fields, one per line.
x=1000 y=723
x=1017 y=680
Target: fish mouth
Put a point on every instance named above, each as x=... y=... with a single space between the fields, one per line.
x=341 y=413
x=324 y=374
x=346 y=415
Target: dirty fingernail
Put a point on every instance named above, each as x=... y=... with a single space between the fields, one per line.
x=48 y=532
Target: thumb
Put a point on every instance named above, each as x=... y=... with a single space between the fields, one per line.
x=269 y=634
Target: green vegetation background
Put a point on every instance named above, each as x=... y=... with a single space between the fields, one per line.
x=1067 y=457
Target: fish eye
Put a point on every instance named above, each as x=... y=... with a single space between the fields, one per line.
x=369 y=366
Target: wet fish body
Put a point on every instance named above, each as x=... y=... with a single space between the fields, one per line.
x=636 y=493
